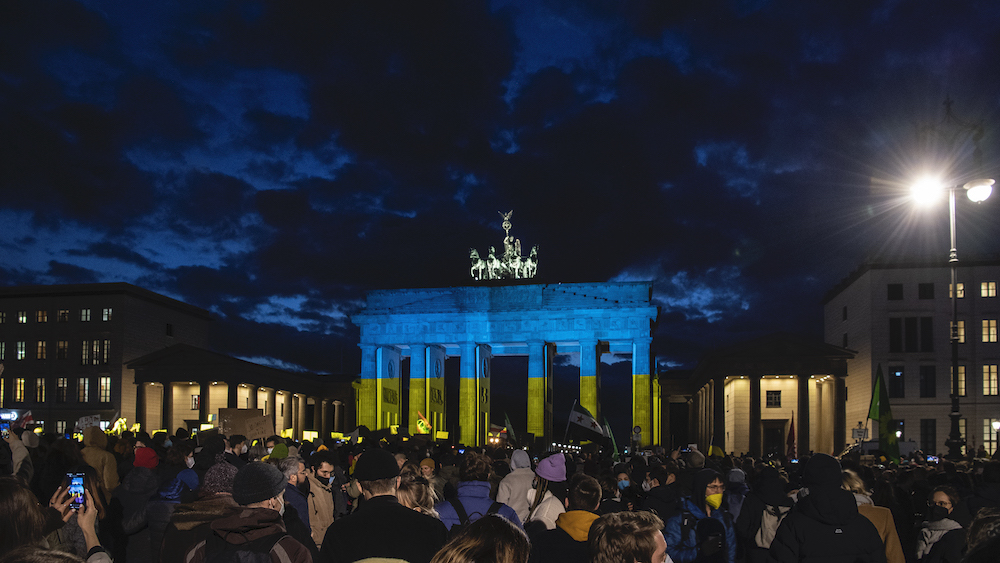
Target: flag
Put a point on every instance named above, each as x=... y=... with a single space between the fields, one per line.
x=793 y=449
x=584 y=424
x=611 y=436
x=25 y=420
x=511 y=437
x=423 y=425
x=880 y=411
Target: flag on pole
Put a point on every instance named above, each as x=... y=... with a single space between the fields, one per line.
x=584 y=424
x=25 y=420
x=792 y=452
x=511 y=436
x=611 y=436
x=880 y=411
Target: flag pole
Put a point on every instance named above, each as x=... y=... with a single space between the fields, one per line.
x=568 y=418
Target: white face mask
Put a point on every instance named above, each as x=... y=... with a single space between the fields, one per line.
x=646 y=486
x=270 y=449
x=281 y=510
x=244 y=449
x=189 y=462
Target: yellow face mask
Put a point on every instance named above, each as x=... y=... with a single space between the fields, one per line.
x=715 y=501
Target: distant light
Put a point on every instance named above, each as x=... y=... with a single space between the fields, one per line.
x=996 y=425
x=926 y=190
x=979 y=190
x=899 y=434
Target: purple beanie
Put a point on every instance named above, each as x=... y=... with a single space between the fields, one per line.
x=552 y=468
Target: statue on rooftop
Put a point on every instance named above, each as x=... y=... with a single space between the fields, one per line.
x=509 y=265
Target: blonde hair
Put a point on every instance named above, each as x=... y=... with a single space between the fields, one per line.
x=850 y=481
x=491 y=539
x=418 y=496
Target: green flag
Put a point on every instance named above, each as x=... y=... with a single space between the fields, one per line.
x=511 y=437
x=879 y=410
x=614 y=444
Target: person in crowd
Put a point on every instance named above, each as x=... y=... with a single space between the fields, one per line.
x=491 y=539
x=628 y=537
x=941 y=538
x=23 y=466
x=611 y=495
x=664 y=494
x=473 y=496
x=764 y=507
x=295 y=471
x=543 y=506
x=416 y=494
x=825 y=524
x=178 y=483
x=96 y=454
x=255 y=526
x=128 y=503
x=987 y=494
x=736 y=492
x=237 y=451
x=381 y=526
x=702 y=529
x=516 y=485
x=567 y=542
x=428 y=469
x=324 y=491
x=880 y=516
x=190 y=522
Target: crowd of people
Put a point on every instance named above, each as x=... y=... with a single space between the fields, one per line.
x=212 y=498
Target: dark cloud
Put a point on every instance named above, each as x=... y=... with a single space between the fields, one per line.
x=61 y=272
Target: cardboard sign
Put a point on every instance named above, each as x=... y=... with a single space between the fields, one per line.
x=258 y=427
x=232 y=421
x=88 y=421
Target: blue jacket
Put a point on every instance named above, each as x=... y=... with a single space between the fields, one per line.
x=475 y=499
x=298 y=501
x=685 y=550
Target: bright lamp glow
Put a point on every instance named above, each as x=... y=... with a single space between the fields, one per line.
x=996 y=425
x=926 y=190
x=979 y=190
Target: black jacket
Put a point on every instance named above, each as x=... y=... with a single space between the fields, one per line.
x=825 y=526
x=381 y=527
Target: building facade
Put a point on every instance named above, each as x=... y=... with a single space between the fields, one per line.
x=898 y=317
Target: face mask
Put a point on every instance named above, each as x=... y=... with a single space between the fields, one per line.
x=715 y=501
x=281 y=510
x=938 y=513
x=167 y=444
x=244 y=449
x=646 y=486
x=189 y=462
x=269 y=450
x=622 y=485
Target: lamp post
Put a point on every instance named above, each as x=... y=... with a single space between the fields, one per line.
x=978 y=191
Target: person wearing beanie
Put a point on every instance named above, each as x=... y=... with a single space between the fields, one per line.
x=381 y=527
x=428 y=470
x=190 y=522
x=543 y=506
x=567 y=542
x=703 y=530
x=254 y=527
x=473 y=496
x=514 y=488
x=146 y=457
x=825 y=525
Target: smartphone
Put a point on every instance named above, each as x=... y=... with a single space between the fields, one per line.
x=5 y=429
x=76 y=496
x=793 y=461
x=932 y=459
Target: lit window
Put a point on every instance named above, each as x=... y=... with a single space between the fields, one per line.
x=988 y=289
x=962 y=426
x=95 y=352
x=40 y=389
x=19 y=390
x=63 y=315
x=961 y=332
x=195 y=402
x=22 y=317
x=62 y=389
x=85 y=315
x=62 y=349
x=60 y=427
x=961 y=380
x=989 y=330
x=41 y=316
x=20 y=350
x=41 y=350
x=106 y=350
x=773 y=399
x=990 y=435
x=961 y=291
x=106 y=315
x=3 y=317
x=990 y=379
x=105 y=390
x=83 y=390
x=85 y=353
x=3 y=351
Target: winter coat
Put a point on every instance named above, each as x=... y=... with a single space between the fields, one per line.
x=685 y=549
x=825 y=526
x=664 y=501
x=475 y=499
x=243 y=525
x=381 y=527
x=299 y=501
x=128 y=503
x=190 y=523
x=321 y=507
x=886 y=526
x=513 y=490
x=96 y=455
x=546 y=512
x=940 y=541
x=567 y=542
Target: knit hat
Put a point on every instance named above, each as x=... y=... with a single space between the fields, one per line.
x=552 y=468
x=280 y=451
x=428 y=462
x=257 y=482
x=219 y=478
x=146 y=457
x=376 y=464
x=736 y=475
x=520 y=460
x=822 y=471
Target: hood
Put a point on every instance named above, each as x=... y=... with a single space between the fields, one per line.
x=193 y=514
x=94 y=437
x=519 y=460
x=474 y=489
x=770 y=488
x=576 y=523
x=666 y=493
x=829 y=506
x=140 y=481
x=244 y=525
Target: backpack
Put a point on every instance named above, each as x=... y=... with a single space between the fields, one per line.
x=218 y=550
x=463 y=516
x=770 y=519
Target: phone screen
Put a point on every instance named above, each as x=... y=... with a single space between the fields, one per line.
x=76 y=497
x=5 y=429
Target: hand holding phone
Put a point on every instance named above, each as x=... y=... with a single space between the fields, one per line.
x=76 y=490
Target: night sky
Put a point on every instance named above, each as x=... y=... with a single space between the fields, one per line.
x=272 y=161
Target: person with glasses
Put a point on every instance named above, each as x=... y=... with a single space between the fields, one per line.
x=702 y=531
x=941 y=538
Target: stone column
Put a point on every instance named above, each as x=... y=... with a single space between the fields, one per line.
x=657 y=427
x=388 y=390
x=167 y=411
x=719 y=412
x=323 y=407
x=368 y=394
x=539 y=396
x=435 y=386
x=839 y=414
x=251 y=396
x=467 y=394
x=205 y=396
x=272 y=406
x=232 y=395
x=338 y=412
x=755 y=424
x=802 y=428
x=641 y=390
x=300 y=420
x=589 y=377
x=484 y=358
x=140 y=404
x=418 y=386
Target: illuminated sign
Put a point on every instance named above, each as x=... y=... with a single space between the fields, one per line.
x=9 y=415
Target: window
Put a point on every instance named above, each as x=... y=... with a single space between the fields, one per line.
x=282 y=409
x=85 y=315
x=63 y=315
x=961 y=380
x=85 y=353
x=926 y=334
x=60 y=426
x=990 y=435
x=170 y=329
x=83 y=390
x=961 y=291
x=20 y=350
x=19 y=390
x=22 y=317
x=894 y=291
x=990 y=379
x=195 y=402
x=845 y=341
x=925 y=291
x=928 y=381
x=3 y=318
x=3 y=351
x=105 y=351
x=895 y=335
x=988 y=289
x=844 y=314
x=961 y=430
x=961 y=331
x=911 y=334
x=62 y=349
x=928 y=435
x=40 y=389
x=41 y=316
x=897 y=387
x=104 y=389
x=41 y=350
x=95 y=348
x=989 y=330
x=773 y=399
x=106 y=315
x=62 y=389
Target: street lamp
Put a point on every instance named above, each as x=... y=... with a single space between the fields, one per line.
x=978 y=191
